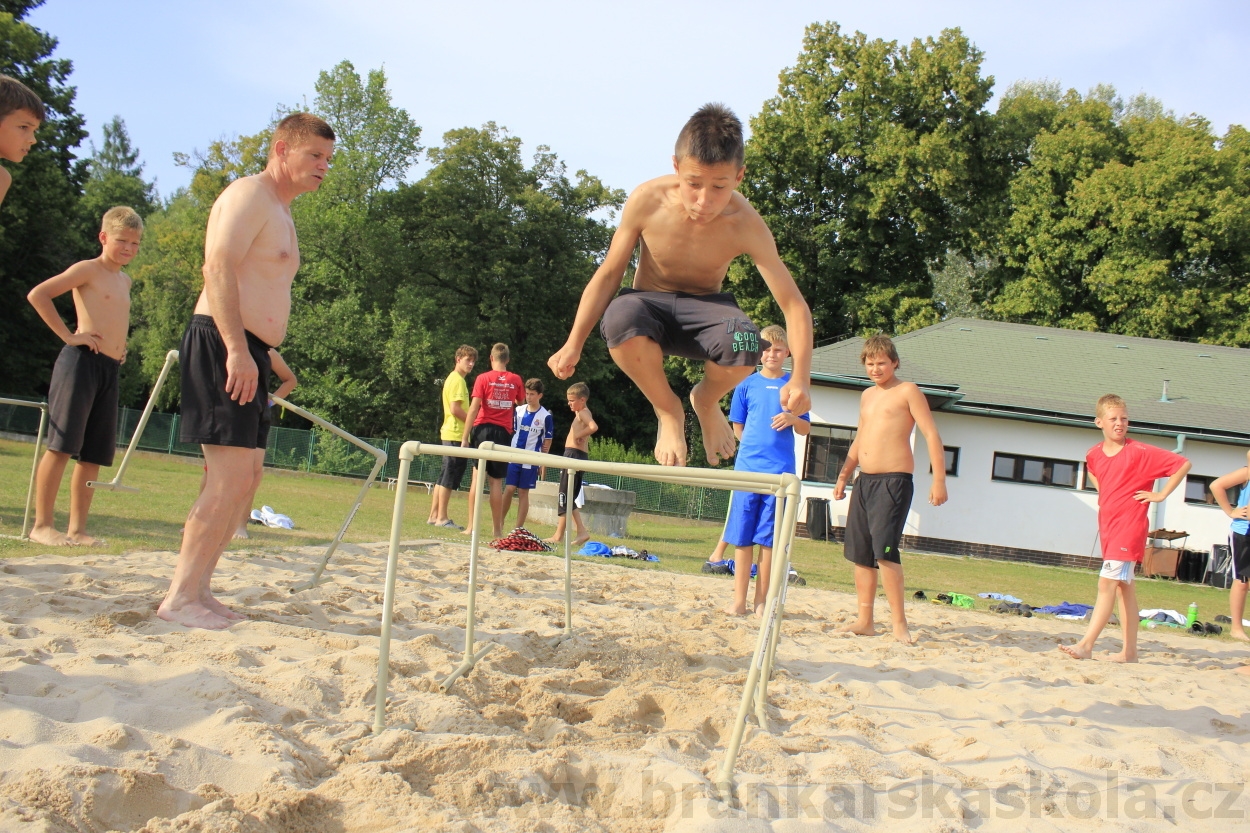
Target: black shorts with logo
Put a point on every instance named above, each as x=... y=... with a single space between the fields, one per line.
x=700 y=327
x=82 y=405
x=874 y=522
x=569 y=495
x=209 y=415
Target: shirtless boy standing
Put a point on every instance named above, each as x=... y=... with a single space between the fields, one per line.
x=881 y=496
x=576 y=447
x=691 y=225
x=82 y=397
x=250 y=258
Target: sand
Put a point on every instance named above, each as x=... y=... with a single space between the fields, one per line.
x=111 y=719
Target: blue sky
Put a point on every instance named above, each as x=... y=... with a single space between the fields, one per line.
x=607 y=86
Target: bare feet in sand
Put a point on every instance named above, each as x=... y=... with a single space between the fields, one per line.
x=860 y=629
x=903 y=636
x=1076 y=651
x=210 y=601
x=82 y=539
x=49 y=537
x=734 y=610
x=1120 y=657
x=240 y=533
x=670 y=439
x=193 y=615
x=1239 y=635
x=718 y=436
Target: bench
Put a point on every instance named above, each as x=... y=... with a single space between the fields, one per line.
x=606 y=511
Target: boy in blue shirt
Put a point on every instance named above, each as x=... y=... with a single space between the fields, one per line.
x=532 y=429
x=766 y=432
x=1239 y=538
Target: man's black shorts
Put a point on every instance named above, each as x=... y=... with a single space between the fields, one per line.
x=497 y=434
x=453 y=469
x=568 y=495
x=209 y=415
x=82 y=405
x=874 y=522
x=1241 y=556
x=701 y=327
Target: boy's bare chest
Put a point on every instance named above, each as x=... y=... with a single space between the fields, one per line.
x=697 y=258
x=883 y=409
x=105 y=293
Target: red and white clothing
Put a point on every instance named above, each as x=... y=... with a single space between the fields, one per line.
x=500 y=391
x=1122 y=521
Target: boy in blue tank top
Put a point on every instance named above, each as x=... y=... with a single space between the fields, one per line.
x=1239 y=534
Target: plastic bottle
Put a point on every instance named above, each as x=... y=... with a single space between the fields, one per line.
x=1193 y=615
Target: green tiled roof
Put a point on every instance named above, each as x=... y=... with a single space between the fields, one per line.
x=1043 y=372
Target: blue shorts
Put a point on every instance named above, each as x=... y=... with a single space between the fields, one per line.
x=750 y=520
x=522 y=478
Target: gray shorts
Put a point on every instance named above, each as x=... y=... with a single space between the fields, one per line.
x=700 y=327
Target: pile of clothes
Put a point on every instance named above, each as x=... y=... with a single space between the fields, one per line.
x=521 y=540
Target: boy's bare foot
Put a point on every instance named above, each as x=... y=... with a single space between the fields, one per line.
x=240 y=533
x=49 y=537
x=82 y=539
x=1120 y=657
x=670 y=439
x=759 y=610
x=718 y=435
x=903 y=636
x=581 y=539
x=1076 y=651
x=210 y=601
x=468 y=530
x=735 y=610
x=1239 y=635
x=553 y=540
x=860 y=629
x=192 y=616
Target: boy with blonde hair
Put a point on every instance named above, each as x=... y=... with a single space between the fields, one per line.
x=881 y=496
x=576 y=447
x=21 y=113
x=688 y=227
x=1124 y=471
x=82 y=397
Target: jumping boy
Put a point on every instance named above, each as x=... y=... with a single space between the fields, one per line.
x=533 y=427
x=767 y=435
x=1124 y=471
x=577 y=447
x=1239 y=534
x=455 y=411
x=881 y=496
x=21 y=113
x=82 y=397
x=495 y=394
x=689 y=226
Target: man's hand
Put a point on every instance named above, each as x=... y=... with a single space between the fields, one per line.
x=937 y=493
x=796 y=397
x=564 y=361
x=91 y=340
x=241 y=376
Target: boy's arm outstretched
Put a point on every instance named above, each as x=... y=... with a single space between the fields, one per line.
x=937 y=454
x=41 y=299
x=796 y=394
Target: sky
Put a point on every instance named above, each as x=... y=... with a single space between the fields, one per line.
x=606 y=85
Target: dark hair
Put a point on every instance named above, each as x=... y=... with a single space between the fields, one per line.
x=536 y=385
x=466 y=350
x=712 y=136
x=14 y=96
x=879 y=345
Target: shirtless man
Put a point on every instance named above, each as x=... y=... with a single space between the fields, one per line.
x=250 y=258
x=881 y=498
x=690 y=226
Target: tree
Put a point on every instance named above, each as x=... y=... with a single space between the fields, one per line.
x=872 y=162
x=37 y=228
x=116 y=178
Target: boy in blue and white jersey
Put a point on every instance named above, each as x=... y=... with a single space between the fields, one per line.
x=532 y=429
x=766 y=434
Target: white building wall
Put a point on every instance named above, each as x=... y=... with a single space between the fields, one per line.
x=1021 y=515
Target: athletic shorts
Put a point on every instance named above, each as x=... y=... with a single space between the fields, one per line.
x=82 y=405
x=1118 y=570
x=562 y=505
x=874 y=523
x=751 y=518
x=1241 y=557
x=701 y=327
x=453 y=469
x=209 y=415
x=497 y=434
x=521 y=477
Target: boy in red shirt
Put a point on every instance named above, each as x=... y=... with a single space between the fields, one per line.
x=1124 y=471
x=495 y=394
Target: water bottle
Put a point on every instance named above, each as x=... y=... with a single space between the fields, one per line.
x=1193 y=615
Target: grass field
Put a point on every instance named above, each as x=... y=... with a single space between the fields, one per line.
x=152 y=520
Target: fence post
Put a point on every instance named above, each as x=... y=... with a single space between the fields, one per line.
x=312 y=440
x=173 y=431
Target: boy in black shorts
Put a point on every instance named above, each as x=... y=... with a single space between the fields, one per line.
x=1239 y=540
x=881 y=495
x=82 y=397
x=577 y=447
x=688 y=227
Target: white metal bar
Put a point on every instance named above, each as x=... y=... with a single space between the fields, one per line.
x=116 y=483
x=34 y=466
x=388 y=598
x=470 y=625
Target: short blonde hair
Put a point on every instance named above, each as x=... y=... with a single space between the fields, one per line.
x=500 y=353
x=774 y=334
x=580 y=390
x=120 y=218
x=879 y=345
x=1109 y=400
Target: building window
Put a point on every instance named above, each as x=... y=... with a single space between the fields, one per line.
x=827 y=447
x=952 y=461
x=1040 y=471
x=1198 y=490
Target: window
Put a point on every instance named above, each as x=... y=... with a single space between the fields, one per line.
x=827 y=447
x=952 y=461
x=1040 y=471
x=1198 y=490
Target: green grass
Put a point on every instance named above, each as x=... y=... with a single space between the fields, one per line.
x=152 y=520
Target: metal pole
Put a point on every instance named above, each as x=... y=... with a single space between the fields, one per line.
x=116 y=483
x=388 y=601
x=34 y=467
x=470 y=659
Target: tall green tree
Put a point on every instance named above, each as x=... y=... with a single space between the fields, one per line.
x=37 y=219
x=872 y=161
x=115 y=178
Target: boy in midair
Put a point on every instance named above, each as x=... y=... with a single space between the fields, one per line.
x=577 y=447
x=881 y=496
x=82 y=397
x=21 y=113
x=532 y=430
x=688 y=227
x=1124 y=471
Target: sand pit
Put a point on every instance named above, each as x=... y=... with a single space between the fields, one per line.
x=111 y=719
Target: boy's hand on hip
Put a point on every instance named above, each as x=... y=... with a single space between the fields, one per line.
x=91 y=340
x=564 y=361
x=241 y=377
x=795 y=398
x=1148 y=497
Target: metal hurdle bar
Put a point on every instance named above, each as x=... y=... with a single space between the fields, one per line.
x=784 y=487
x=34 y=466
x=116 y=483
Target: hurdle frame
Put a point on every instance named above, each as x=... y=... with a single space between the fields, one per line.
x=785 y=487
x=115 y=485
x=34 y=466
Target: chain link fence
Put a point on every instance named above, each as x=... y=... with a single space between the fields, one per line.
x=324 y=453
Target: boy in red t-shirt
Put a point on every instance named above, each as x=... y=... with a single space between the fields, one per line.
x=1124 y=471
x=495 y=394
